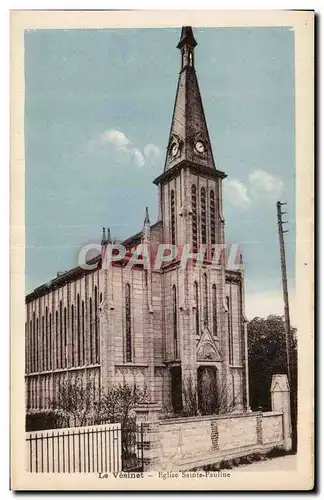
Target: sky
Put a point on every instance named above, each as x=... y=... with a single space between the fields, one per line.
x=98 y=109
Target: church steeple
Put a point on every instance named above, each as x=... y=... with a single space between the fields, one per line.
x=189 y=138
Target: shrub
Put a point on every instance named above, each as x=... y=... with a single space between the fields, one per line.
x=44 y=420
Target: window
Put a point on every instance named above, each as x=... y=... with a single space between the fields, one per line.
x=230 y=329
x=97 y=346
x=82 y=335
x=203 y=215
x=46 y=339
x=78 y=332
x=30 y=360
x=173 y=236
x=128 y=319
x=214 y=305
x=194 y=216
x=175 y=322
x=212 y=220
x=196 y=293
x=56 y=337
x=90 y=331
x=61 y=337
x=50 y=342
x=26 y=347
x=37 y=345
x=42 y=367
x=34 y=344
x=65 y=339
x=190 y=58
x=205 y=299
x=72 y=335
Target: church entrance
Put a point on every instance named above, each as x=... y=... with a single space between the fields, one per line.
x=176 y=389
x=207 y=390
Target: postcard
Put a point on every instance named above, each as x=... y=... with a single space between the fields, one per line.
x=162 y=232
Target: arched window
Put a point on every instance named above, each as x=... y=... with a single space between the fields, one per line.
x=78 y=332
x=82 y=334
x=61 y=336
x=196 y=294
x=203 y=215
x=212 y=219
x=194 y=216
x=65 y=340
x=34 y=344
x=72 y=335
x=26 y=347
x=175 y=322
x=30 y=354
x=46 y=339
x=173 y=230
x=50 y=342
x=90 y=331
x=230 y=330
x=56 y=338
x=128 y=323
x=97 y=346
x=37 y=346
x=205 y=299
x=42 y=364
x=214 y=305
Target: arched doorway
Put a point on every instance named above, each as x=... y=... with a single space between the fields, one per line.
x=207 y=390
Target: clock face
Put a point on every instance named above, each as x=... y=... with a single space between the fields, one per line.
x=200 y=147
x=174 y=149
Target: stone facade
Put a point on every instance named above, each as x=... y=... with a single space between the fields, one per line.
x=158 y=328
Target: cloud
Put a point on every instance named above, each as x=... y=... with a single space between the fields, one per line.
x=151 y=154
x=138 y=157
x=262 y=182
x=260 y=185
x=117 y=138
x=236 y=193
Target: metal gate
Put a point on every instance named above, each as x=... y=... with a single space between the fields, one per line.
x=132 y=448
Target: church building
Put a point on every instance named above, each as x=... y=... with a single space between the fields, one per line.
x=171 y=329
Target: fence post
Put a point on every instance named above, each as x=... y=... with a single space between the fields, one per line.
x=151 y=446
x=280 y=401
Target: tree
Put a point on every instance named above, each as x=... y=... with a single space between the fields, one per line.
x=76 y=403
x=212 y=400
x=118 y=403
x=267 y=357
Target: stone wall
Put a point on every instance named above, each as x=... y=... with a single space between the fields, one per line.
x=186 y=443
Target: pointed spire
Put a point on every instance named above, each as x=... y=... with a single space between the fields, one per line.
x=109 y=239
x=189 y=138
x=187 y=38
x=103 y=239
x=147 y=218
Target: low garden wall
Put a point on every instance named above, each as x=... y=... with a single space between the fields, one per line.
x=187 y=443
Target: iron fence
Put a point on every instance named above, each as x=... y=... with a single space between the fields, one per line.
x=84 y=449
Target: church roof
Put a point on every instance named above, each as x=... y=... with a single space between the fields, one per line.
x=77 y=272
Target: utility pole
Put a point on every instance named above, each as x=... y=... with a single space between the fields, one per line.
x=289 y=343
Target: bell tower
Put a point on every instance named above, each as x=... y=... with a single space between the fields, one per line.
x=190 y=207
x=190 y=186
